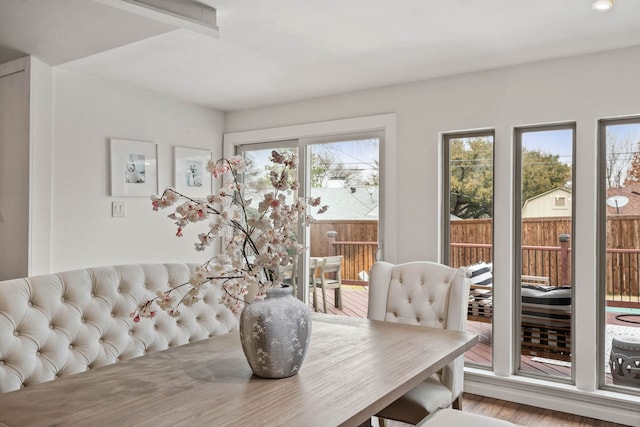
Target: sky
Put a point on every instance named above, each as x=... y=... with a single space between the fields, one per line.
x=360 y=154
x=559 y=141
x=551 y=142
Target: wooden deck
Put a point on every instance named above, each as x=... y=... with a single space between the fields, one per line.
x=354 y=304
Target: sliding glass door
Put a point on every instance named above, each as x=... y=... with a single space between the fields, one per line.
x=344 y=172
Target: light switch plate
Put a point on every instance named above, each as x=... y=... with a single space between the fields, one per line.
x=118 y=209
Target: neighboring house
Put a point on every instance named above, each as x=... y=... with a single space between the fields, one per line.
x=624 y=200
x=556 y=202
x=353 y=203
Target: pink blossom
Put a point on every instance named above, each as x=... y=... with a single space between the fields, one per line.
x=257 y=244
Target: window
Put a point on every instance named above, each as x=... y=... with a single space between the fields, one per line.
x=468 y=227
x=619 y=250
x=544 y=183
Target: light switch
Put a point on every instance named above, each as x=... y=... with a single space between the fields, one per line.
x=118 y=209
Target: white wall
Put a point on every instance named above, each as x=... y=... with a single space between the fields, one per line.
x=580 y=89
x=87 y=112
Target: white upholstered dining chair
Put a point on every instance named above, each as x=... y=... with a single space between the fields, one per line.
x=427 y=294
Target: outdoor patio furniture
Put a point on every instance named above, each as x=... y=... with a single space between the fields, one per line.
x=331 y=265
x=625 y=361
x=546 y=312
x=546 y=322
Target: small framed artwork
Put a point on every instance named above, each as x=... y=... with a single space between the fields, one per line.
x=191 y=176
x=134 y=170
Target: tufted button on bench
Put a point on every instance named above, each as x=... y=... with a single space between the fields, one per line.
x=82 y=320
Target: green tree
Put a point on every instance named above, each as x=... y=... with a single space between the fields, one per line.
x=471 y=177
x=542 y=172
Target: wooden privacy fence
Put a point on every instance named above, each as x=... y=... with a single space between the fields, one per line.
x=623 y=282
x=356 y=241
x=535 y=231
x=471 y=242
x=623 y=259
x=553 y=262
x=542 y=251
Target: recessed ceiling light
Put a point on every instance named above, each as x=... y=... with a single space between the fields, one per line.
x=602 y=5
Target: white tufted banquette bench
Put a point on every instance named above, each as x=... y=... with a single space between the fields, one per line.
x=64 y=323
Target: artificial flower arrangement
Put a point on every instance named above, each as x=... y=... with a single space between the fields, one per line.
x=255 y=246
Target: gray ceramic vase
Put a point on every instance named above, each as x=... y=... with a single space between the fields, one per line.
x=275 y=333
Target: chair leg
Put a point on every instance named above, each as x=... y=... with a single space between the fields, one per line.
x=324 y=298
x=315 y=298
x=457 y=404
x=338 y=297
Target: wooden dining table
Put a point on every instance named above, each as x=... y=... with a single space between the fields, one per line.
x=353 y=369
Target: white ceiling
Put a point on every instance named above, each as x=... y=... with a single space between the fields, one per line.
x=277 y=51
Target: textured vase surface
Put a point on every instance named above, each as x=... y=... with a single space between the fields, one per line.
x=275 y=333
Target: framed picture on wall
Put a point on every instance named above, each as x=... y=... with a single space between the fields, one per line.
x=191 y=176
x=134 y=168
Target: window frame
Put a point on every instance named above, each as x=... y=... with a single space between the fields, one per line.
x=601 y=245
x=518 y=132
x=445 y=249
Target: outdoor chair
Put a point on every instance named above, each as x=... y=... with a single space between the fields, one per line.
x=426 y=294
x=290 y=274
x=331 y=265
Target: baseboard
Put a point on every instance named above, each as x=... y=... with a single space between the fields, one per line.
x=603 y=405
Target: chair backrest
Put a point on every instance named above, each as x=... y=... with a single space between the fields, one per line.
x=313 y=264
x=420 y=293
x=332 y=264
